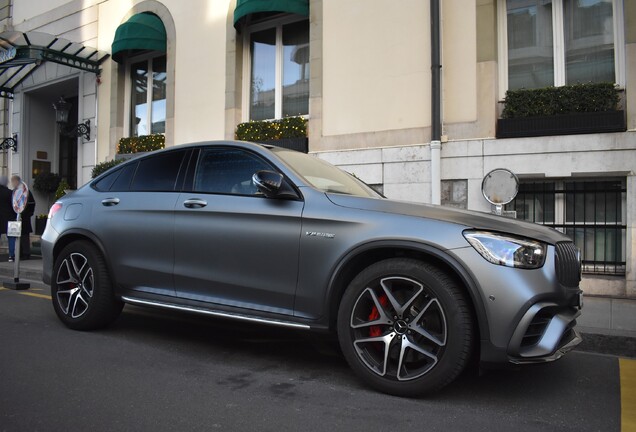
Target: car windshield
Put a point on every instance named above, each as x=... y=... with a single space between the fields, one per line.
x=324 y=176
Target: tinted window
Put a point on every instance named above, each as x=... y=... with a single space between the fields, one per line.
x=228 y=171
x=107 y=181
x=188 y=183
x=123 y=180
x=158 y=173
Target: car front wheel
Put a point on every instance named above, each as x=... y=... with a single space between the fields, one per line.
x=405 y=327
x=81 y=288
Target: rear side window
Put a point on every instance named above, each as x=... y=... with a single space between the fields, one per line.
x=122 y=183
x=158 y=173
x=104 y=184
x=228 y=171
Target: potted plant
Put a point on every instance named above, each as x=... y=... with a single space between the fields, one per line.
x=62 y=189
x=46 y=183
x=571 y=109
x=289 y=132
x=40 y=223
x=102 y=167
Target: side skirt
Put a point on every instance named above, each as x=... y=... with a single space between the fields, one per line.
x=218 y=314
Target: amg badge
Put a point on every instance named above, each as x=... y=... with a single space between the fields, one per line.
x=319 y=234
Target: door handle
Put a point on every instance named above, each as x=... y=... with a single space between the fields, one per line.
x=108 y=202
x=195 y=203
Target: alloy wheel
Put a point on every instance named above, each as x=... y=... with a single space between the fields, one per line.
x=398 y=328
x=75 y=284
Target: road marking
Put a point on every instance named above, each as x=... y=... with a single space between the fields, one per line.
x=31 y=289
x=628 y=394
x=30 y=294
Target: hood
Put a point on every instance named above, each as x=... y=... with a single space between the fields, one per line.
x=469 y=219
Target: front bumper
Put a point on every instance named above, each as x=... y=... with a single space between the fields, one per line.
x=530 y=315
x=544 y=333
x=571 y=341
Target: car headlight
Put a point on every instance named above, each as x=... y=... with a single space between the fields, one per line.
x=507 y=250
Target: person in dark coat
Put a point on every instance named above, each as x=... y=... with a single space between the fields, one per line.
x=27 y=228
x=6 y=213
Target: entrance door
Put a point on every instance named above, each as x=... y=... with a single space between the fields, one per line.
x=67 y=167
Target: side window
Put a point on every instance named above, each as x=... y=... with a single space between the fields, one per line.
x=122 y=183
x=228 y=171
x=105 y=183
x=158 y=173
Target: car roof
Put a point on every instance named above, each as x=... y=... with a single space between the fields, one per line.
x=214 y=143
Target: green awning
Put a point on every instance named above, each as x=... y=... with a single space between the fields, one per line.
x=21 y=53
x=142 y=32
x=247 y=7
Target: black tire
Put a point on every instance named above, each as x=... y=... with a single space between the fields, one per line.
x=450 y=314
x=87 y=301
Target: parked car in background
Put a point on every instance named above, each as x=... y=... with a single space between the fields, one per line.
x=272 y=236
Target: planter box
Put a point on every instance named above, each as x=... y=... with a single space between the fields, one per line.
x=40 y=226
x=567 y=124
x=126 y=156
x=298 y=144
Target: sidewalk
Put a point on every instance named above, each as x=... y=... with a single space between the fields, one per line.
x=608 y=316
x=30 y=269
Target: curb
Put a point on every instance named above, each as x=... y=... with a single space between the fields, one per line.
x=621 y=346
x=35 y=275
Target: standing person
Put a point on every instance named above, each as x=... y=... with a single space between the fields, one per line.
x=6 y=213
x=29 y=210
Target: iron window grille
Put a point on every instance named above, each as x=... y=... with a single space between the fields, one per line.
x=589 y=211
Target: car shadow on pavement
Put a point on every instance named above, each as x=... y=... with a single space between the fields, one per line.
x=270 y=346
x=310 y=356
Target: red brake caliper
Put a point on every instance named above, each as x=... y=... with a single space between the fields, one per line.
x=376 y=331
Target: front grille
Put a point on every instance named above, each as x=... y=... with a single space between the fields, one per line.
x=536 y=329
x=568 y=266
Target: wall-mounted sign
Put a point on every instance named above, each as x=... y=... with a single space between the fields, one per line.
x=7 y=55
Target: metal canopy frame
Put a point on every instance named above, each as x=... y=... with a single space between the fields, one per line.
x=22 y=53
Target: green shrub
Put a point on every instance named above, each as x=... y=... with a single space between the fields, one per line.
x=61 y=189
x=144 y=143
x=46 y=182
x=551 y=101
x=105 y=166
x=258 y=131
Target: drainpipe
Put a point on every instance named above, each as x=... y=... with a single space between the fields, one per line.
x=436 y=101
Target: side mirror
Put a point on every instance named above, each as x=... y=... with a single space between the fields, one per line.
x=273 y=185
x=268 y=182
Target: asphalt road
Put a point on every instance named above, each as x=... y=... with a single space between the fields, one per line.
x=160 y=371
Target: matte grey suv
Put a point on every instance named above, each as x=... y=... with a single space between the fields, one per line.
x=273 y=236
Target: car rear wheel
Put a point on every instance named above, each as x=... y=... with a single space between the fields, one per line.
x=81 y=288
x=405 y=327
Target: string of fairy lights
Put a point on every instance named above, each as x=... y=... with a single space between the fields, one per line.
x=144 y=143
x=264 y=130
